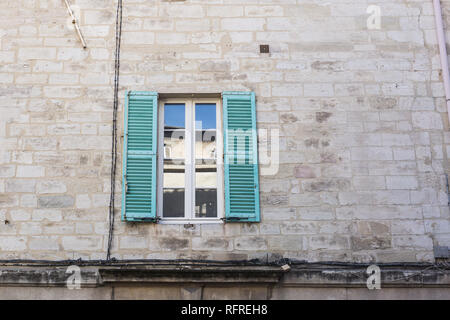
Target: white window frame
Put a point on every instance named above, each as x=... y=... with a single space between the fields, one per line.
x=189 y=205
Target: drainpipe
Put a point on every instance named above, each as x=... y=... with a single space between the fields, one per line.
x=442 y=51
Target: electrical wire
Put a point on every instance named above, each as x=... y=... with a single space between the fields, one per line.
x=114 y=127
x=296 y=264
x=135 y=262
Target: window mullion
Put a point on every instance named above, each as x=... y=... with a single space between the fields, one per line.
x=190 y=143
x=193 y=174
x=187 y=169
x=193 y=136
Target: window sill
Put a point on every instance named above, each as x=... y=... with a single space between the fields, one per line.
x=190 y=221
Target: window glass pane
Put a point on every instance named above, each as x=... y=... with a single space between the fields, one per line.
x=205 y=161
x=174 y=160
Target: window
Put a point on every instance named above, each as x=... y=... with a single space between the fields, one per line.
x=190 y=176
x=190 y=160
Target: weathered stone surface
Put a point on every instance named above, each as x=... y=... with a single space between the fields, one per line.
x=133 y=242
x=64 y=201
x=304 y=172
x=51 y=186
x=381 y=103
x=13 y=243
x=250 y=243
x=171 y=244
x=363 y=139
x=212 y=244
x=21 y=186
x=82 y=243
x=362 y=243
x=44 y=243
x=299 y=227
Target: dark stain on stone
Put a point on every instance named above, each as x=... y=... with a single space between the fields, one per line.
x=84 y=159
x=241 y=76
x=249 y=229
x=303 y=171
x=291 y=145
x=211 y=66
x=253 y=241
x=327 y=157
x=329 y=103
x=370 y=243
x=373 y=228
x=275 y=199
x=98 y=160
x=326 y=65
x=288 y=118
x=63 y=201
x=382 y=103
x=174 y=243
x=322 y=116
x=216 y=243
x=312 y=142
x=328 y=185
x=222 y=76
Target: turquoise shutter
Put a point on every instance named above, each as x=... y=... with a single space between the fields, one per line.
x=139 y=157
x=240 y=157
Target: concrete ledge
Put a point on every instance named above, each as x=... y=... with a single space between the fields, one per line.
x=229 y=274
x=46 y=276
x=314 y=275
x=192 y=274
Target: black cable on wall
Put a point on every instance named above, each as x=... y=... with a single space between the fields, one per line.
x=114 y=127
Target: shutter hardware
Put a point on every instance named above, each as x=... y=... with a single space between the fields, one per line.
x=152 y=220
x=233 y=219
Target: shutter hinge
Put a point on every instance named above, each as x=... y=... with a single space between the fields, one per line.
x=151 y=220
x=233 y=219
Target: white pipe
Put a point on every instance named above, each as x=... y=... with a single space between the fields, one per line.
x=442 y=51
x=75 y=24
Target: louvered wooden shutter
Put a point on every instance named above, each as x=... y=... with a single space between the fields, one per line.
x=139 y=157
x=240 y=157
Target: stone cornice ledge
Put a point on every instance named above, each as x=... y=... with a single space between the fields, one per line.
x=93 y=276
x=356 y=276
x=298 y=275
x=192 y=274
x=51 y=276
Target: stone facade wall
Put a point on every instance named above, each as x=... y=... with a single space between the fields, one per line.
x=361 y=113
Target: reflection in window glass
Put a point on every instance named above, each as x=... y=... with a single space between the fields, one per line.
x=205 y=161
x=174 y=160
